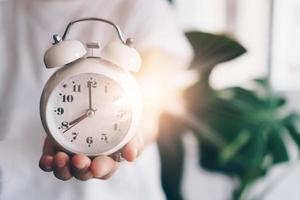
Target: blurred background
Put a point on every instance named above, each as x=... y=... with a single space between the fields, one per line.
x=269 y=30
x=240 y=135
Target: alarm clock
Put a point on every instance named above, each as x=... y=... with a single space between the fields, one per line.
x=91 y=105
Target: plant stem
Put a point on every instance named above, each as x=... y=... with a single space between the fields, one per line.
x=237 y=195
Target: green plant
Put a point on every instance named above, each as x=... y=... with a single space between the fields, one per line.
x=240 y=131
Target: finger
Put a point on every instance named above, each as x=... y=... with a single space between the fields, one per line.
x=62 y=166
x=111 y=173
x=46 y=160
x=46 y=163
x=132 y=150
x=80 y=167
x=102 y=166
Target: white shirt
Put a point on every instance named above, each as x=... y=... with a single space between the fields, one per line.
x=26 y=29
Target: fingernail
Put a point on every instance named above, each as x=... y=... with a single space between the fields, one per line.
x=48 y=163
x=101 y=166
x=80 y=162
x=60 y=163
x=80 y=165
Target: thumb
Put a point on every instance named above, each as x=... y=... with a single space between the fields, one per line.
x=47 y=158
x=49 y=147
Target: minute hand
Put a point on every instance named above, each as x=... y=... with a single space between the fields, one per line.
x=90 y=95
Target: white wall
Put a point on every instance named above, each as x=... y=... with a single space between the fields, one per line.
x=250 y=27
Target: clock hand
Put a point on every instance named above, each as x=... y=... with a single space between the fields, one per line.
x=89 y=113
x=76 y=121
x=79 y=119
x=90 y=95
x=90 y=98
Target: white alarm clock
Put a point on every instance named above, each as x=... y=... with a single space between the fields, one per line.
x=92 y=104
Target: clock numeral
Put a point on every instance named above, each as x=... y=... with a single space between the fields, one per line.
x=121 y=114
x=104 y=137
x=76 y=88
x=92 y=84
x=67 y=98
x=116 y=98
x=116 y=126
x=89 y=141
x=64 y=125
x=74 y=136
x=59 y=111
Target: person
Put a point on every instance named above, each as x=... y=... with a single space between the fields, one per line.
x=25 y=33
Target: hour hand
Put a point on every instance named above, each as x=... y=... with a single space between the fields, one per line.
x=79 y=119
x=76 y=121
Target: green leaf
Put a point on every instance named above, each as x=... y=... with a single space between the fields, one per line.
x=246 y=99
x=273 y=100
x=276 y=146
x=252 y=154
x=208 y=155
x=278 y=101
x=264 y=82
x=233 y=148
x=289 y=123
x=211 y=49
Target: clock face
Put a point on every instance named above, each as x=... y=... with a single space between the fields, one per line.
x=88 y=113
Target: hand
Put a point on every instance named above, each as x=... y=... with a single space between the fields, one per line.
x=65 y=166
